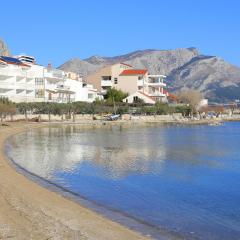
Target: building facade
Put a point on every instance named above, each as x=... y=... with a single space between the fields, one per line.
x=130 y=80
x=22 y=80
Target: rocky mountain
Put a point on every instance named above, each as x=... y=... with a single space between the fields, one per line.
x=217 y=79
x=80 y=66
x=185 y=68
x=3 y=49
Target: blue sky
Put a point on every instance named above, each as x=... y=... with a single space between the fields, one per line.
x=55 y=31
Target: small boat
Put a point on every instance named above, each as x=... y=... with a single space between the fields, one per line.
x=113 y=117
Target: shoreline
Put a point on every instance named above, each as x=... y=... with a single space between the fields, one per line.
x=130 y=123
x=30 y=211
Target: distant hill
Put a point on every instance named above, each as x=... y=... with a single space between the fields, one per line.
x=185 y=68
x=4 y=49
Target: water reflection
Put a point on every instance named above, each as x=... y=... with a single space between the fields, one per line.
x=183 y=178
x=64 y=149
x=118 y=151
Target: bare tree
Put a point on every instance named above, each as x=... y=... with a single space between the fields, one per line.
x=191 y=97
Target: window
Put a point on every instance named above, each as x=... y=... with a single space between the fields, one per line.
x=135 y=98
x=90 y=96
x=39 y=93
x=20 y=91
x=123 y=66
x=39 y=81
x=105 y=78
x=4 y=90
x=115 y=81
x=29 y=91
x=140 y=77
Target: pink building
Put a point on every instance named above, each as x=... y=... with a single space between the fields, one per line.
x=136 y=82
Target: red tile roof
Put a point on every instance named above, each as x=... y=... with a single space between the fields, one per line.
x=170 y=95
x=134 y=72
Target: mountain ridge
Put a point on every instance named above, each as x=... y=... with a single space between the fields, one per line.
x=185 y=68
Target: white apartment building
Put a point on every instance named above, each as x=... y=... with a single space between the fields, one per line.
x=22 y=80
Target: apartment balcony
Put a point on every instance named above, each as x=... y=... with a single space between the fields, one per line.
x=63 y=87
x=157 y=84
x=32 y=74
x=6 y=91
x=156 y=94
x=140 y=83
x=15 y=85
x=59 y=89
x=7 y=73
x=21 y=98
x=106 y=83
x=103 y=92
x=155 y=80
x=61 y=100
x=54 y=75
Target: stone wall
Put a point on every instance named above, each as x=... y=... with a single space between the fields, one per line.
x=125 y=117
x=45 y=117
x=173 y=117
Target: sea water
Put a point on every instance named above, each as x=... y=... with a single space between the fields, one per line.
x=181 y=182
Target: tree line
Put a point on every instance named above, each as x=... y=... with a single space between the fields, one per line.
x=113 y=103
x=69 y=110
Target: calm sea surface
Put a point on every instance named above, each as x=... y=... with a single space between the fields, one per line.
x=179 y=182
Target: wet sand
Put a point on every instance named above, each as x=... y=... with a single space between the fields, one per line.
x=29 y=211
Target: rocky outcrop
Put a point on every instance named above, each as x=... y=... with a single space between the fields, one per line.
x=4 y=49
x=215 y=78
x=77 y=65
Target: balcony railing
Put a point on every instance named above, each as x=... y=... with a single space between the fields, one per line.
x=156 y=94
x=12 y=72
x=63 y=87
x=155 y=83
x=156 y=80
x=61 y=100
x=106 y=83
x=140 y=82
x=54 y=74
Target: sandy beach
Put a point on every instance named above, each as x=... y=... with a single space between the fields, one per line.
x=29 y=211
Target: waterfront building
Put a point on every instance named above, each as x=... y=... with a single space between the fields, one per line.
x=22 y=80
x=138 y=83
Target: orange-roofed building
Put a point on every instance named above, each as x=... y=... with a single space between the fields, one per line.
x=128 y=79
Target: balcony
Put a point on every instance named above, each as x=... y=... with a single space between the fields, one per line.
x=140 y=82
x=156 y=94
x=6 y=72
x=156 y=80
x=159 y=84
x=63 y=87
x=61 y=100
x=106 y=83
x=54 y=74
